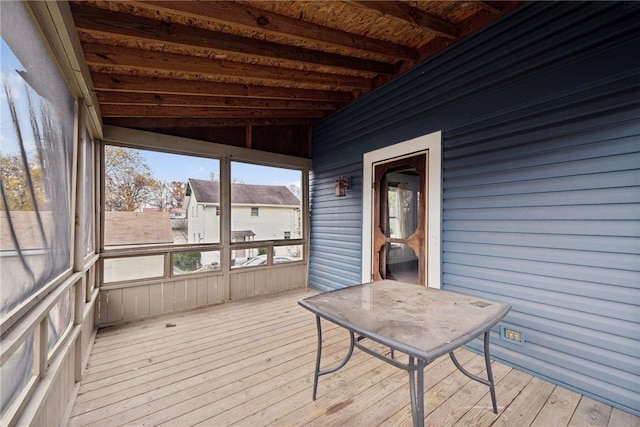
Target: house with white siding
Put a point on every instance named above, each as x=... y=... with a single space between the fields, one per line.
x=258 y=212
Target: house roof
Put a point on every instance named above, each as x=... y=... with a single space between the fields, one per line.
x=27 y=229
x=242 y=233
x=131 y=228
x=206 y=191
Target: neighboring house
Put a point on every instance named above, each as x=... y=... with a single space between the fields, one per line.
x=177 y=220
x=137 y=228
x=258 y=212
x=177 y=213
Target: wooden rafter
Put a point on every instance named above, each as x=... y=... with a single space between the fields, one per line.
x=494 y=7
x=409 y=14
x=250 y=18
x=168 y=100
x=191 y=122
x=205 y=43
x=114 y=58
x=258 y=68
x=110 y=110
x=129 y=83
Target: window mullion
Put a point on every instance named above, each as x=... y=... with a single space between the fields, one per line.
x=225 y=212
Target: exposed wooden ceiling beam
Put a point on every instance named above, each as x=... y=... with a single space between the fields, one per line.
x=187 y=122
x=471 y=25
x=110 y=110
x=127 y=83
x=254 y=19
x=133 y=98
x=412 y=15
x=124 y=27
x=494 y=7
x=114 y=59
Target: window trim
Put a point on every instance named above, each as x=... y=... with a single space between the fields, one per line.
x=143 y=140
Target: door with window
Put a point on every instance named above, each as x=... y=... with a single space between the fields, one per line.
x=399 y=228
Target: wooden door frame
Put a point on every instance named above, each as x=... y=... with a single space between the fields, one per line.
x=417 y=163
x=432 y=144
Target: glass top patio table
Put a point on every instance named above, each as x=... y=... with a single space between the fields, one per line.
x=422 y=322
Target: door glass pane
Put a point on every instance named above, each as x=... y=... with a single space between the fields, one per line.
x=403 y=198
x=401 y=263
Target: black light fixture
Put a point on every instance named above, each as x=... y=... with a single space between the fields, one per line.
x=343 y=183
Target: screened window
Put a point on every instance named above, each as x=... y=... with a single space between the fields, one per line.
x=59 y=319
x=265 y=201
x=87 y=173
x=36 y=126
x=195 y=262
x=154 y=198
x=290 y=253
x=132 y=268
x=16 y=373
x=35 y=171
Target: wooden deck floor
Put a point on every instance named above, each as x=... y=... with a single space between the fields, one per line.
x=250 y=363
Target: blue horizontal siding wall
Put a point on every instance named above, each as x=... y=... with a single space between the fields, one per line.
x=540 y=115
x=336 y=229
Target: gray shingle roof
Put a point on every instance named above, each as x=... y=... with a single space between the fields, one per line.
x=206 y=191
x=132 y=228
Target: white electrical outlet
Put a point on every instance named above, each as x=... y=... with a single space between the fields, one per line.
x=511 y=334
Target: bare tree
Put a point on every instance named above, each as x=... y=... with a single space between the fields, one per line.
x=215 y=177
x=15 y=184
x=168 y=195
x=295 y=190
x=129 y=184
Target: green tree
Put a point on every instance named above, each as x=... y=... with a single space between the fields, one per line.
x=129 y=184
x=187 y=261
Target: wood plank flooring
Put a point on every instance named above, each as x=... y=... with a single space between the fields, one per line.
x=250 y=363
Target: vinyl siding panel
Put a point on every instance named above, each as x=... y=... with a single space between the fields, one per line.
x=540 y=117
x=336 y=228
x=593 y=288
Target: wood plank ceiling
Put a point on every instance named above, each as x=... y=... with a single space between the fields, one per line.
x=257 y=73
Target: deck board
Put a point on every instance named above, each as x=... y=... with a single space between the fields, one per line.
x=250 y=363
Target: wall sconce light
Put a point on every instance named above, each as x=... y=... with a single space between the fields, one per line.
x=343 y=183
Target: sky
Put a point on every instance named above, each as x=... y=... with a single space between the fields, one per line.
x=9 y=65
x=173 y=167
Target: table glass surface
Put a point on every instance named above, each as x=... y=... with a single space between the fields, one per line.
x=420 y=321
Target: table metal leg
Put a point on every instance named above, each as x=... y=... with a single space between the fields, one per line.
x=487 y=361
x=489 y=381
x=317 y=371
x=416 y=390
